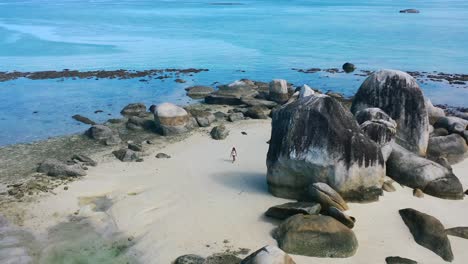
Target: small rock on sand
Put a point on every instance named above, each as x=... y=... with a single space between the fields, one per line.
x=125 y=155
x=163 y=156
x=418 y=193
x=190 y=259
x=399 y=260
x=388 y=186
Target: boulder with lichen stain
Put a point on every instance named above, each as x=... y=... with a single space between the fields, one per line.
x=316 y=139
x=400 y=97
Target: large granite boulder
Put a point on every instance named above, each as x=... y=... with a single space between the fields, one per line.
x=231 y=94
x=53 y=167
x=257 y=112
x=171 y=119
x=316 y=139
x=279 y=91
x=379 y=127
x=452 y=147
x=104 y=135
x=286 y=210
x=428 y=232
x=399 y=96
x=268 y=255
x=135 y=109
x=316 y=236
x=413 y=171
x=138 y=123
x=199 y=92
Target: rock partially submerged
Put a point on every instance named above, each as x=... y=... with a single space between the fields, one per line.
x=411 y=170
x=134 y=109
x=231 y=94
x=315 y=139
x=53 y=167
x=83 y=119
x=348 y=67
x=171 y=119
x=199 y=92
x=286 y=210
x=428 y=232
x=268 y=255
x=316 y=236
x=400 y=97
x=410 y=11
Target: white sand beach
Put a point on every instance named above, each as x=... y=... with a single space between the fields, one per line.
x=199 y=202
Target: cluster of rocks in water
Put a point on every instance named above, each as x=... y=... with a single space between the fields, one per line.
x=325 y=150
x=100 y=74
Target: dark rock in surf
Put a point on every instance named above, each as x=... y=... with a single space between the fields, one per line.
x=286 y=210
x=348 y=67
x=231 y=94
x=316 y=139
x=135 y=109
x=399 y=96
x=83 y=119
x=428 y=232
x=410 y=11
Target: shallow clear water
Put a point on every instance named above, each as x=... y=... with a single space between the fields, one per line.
x=264 y=38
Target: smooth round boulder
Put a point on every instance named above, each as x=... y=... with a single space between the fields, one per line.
x=171 y=119
x=452 y=147
x=316 y=139
x=452 y=124
x=219 y=132
x=279 y=91
x=401 y=98
x=316 y=236
x=268 y=255
x=348 y=67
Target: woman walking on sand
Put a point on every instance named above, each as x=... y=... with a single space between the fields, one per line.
x=233 y=154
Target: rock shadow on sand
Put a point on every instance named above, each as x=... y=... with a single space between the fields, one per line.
x=242 y=181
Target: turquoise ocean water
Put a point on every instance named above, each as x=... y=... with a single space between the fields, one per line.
x=263 y=38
